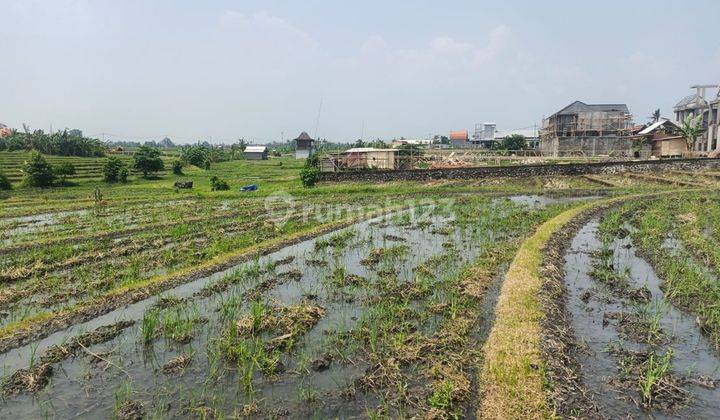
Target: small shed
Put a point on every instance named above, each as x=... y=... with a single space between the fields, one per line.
x=256 y=153
x=360 y=158
x=665 y=138
x=304 y=146
x=369 y=157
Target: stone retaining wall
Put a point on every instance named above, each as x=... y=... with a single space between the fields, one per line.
x=523 y=170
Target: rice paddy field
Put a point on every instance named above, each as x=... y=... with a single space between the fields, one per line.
x=589 y=296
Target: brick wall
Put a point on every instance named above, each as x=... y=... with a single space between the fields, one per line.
x=523 y=170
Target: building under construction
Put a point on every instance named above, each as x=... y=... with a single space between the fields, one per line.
x=708 y=142
x=582 y=129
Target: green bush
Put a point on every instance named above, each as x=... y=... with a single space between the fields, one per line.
x=309 y=176
x=115 y=170
x=5 y=182
x=147 y=159
x=177 y=167
x=312 y=161
x=123 y=174
x=197 y=155
x=64 y=170
x=217 y=184
x=37 y=172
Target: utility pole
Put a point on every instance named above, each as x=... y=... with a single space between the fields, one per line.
x=317 y=121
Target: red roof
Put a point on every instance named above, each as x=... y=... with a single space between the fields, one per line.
x=459 y=135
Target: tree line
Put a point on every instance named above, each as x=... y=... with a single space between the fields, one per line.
x=61 y=143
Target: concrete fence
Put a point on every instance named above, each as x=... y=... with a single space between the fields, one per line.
x=522 y=170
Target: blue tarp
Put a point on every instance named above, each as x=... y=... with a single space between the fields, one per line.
x=251 y=187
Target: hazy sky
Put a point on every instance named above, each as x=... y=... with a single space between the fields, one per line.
x=222 y=70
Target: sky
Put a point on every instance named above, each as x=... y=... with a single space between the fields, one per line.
x=266 y=70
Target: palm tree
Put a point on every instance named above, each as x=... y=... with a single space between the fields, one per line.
x=656 y=116
x=691 y=129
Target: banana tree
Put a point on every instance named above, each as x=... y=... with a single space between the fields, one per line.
x=691 y=128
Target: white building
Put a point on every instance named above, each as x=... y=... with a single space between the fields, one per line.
x=256 y=152
x=484 y=134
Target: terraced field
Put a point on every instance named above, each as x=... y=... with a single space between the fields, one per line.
x=441 y=299
x=87 y=168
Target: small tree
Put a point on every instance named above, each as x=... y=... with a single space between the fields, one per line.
x=310 y=172
x=691 y=129
x=147 y=159
x=309 y=176
x=37 y=172
x=115 y=170
x=5 y=182
x=177 y=167
x=64 y=170
x=123 y=174
x=197 y=155
x=514 y=142
x=378 y=144
x=312 y=161
x=217 y=184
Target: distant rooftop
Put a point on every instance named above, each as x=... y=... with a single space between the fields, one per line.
x=255 y=149
x=578 y=106
x=693 y=99
x=304 y=136
x=652 y=127
x=367 y=149
x=459 y=135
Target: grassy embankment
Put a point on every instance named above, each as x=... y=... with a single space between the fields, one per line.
x=512 y=378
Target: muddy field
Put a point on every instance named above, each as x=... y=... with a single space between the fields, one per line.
x=194 y=305
x=639 y=306
x=383 y=316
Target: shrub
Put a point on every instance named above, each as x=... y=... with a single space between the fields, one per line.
x=5 y=182
x=196 y=155
x=217 y=184
x=177 y=167
x=309 y=176
x=37 y=172
x=64 y=170
x=511 y=143
x=313 y=161
x=115 y=170
x=123 y=174
x=147 y=159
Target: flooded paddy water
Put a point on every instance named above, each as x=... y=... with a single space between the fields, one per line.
x=339 y=325
x=642 y=357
